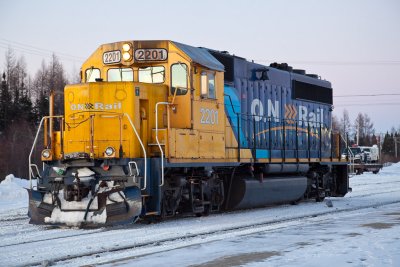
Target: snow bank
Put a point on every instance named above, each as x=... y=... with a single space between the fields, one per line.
x=12 y=188
x=393 y=169
x=13 y=193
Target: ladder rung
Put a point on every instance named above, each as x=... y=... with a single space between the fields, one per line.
x=152 y=213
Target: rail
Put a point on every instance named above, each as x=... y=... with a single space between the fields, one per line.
x=255 y=131
x=34 y=145
x=158 y=142
x=61 y=117
x=351 y=165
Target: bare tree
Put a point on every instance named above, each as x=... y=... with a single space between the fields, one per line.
x=335 y=124
x=364 y=129
x=345 y=125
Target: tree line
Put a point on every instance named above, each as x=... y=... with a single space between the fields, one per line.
x=23 y=102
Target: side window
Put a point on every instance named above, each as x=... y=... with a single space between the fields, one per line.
x=208 y=85
x=152 y=74
x=211 y=85
x=179 y=81
x=91 y=75
x=120 y=75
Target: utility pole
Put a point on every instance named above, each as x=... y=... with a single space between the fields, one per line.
x=396 y=140
x=358 y=132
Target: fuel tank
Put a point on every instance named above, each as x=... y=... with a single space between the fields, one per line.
x=251 y=193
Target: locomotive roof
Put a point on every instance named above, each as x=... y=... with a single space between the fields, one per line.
x=201 y=56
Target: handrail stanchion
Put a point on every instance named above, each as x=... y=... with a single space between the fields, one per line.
x=143 y=148
x=34 y=144
x=158 y=142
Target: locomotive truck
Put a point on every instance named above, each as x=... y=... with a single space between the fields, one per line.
x=160 y=128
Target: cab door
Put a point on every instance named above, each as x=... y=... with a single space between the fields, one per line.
x=180 y=96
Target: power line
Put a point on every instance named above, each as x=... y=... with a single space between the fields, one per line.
x=338 y=63
x=367 y=104
x=365 y=95
x=36 y=49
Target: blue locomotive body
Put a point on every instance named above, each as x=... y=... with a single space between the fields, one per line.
x=279 y=114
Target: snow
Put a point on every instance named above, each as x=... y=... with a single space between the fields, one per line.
x=354 y=239
x=13 y=193
x=361 y=229
x=75 y=218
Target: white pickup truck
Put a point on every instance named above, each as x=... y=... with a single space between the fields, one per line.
x=372 y=153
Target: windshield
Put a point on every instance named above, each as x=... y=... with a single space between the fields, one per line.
x=355 y=150
x=151 y=74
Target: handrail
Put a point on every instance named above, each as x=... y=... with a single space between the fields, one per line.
x=130 y=168
x=230 y=100
x=34 y=145
x=349 y=152
x=158 y=142
x=143 y=148
x=37 y=169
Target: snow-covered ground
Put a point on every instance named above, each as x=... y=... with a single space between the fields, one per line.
x=361 y=229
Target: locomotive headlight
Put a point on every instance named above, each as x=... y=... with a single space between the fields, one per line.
x=126 y=47
x=46 y=154
x=127 y=51
x=109 y=152
x=126 y=56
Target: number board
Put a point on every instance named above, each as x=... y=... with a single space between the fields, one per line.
x=112 y=57
x=153 y=54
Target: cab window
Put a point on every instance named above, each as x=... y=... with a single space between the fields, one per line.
x=179 y=74
x=120 y=75
x=152 y=74
x=208 y=85
x=91 y=75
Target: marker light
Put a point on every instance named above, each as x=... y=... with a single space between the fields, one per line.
x=109 y=151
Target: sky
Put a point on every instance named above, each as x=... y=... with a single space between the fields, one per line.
x=355 y=44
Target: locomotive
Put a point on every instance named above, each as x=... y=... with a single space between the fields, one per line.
x=160 y=128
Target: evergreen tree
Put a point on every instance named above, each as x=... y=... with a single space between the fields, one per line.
x=5 y=105
x=27 y=112
x=388 y=144
x=41 y=107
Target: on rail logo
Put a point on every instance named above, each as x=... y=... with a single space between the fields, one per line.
x=96 y=106
x=300 y=114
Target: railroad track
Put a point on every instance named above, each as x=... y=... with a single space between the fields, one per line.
x=166 y=244
x=118 y=250
x=81 y=233
x=375 y=183
x=14 y=219
x=157 y=243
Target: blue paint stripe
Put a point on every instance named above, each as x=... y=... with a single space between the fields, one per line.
x=262 y=154
x=232 y=112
